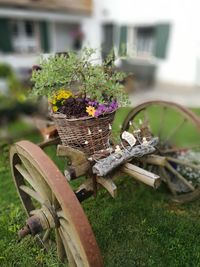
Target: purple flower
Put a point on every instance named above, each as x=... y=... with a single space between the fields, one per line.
x=97 y=113
x=114 y=104
x=91 y=102
x=102 y=108
x=109 y=109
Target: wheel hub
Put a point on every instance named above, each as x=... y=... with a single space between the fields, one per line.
x=42 y=219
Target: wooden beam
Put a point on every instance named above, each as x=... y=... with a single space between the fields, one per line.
x=108 y=184
x=76 y=156
x=141 y=175
x=154 y=160
x=49 y=142
x=111 y=162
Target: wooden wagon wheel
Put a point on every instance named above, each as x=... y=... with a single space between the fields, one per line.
x=52 y=206
x=171 y=123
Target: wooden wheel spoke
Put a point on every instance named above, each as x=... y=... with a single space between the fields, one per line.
x=55 y=202
x=68 y=235
x=61 y=215
x=179 y=149
x=174 y=131
x=28 y=178
x=46 y=235
x=38 y=179
x=183 y=162
x=168 y=180
x=162 y=121
x=60 y=246
x=179 y=176
x=25 y=174
x=132 y=126
x=32 y=193
x=146 y=117
x=68 y=252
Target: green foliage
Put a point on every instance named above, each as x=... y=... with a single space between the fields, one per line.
x=5 y=70
x=78 y=70
x=16 y=88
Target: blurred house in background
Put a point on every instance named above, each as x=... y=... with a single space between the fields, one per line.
x=161 y=34
x=31 y=27
x=160 y=37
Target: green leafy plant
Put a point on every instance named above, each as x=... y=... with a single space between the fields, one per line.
x=96 y=81
x=5 y=70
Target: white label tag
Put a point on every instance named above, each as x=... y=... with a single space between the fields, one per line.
x=129 y=138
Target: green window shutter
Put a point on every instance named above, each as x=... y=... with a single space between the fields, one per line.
x=108 y=42
x=44 y=36
x=5 y=36
x=161 y=36
x=123 y=41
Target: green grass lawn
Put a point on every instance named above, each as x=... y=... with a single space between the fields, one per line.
x=141 y=227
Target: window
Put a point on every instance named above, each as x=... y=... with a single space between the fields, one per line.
x=144 y=41
x=148 y=41
x=24 y=36
x=29 y=28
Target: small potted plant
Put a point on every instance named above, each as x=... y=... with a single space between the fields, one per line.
x=83 y=97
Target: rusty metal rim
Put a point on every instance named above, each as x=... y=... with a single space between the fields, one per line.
x=60 y=187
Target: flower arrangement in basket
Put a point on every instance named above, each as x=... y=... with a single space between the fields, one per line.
x=83 y=97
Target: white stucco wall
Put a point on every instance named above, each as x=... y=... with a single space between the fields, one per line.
x=182 y=65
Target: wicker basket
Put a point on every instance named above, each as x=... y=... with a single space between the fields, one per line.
x=87 y=134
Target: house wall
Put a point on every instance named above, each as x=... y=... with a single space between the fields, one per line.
x=59 y=25
x=182 y=63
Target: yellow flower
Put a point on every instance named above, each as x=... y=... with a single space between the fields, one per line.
x=53 y=101
x=59 y=97
x=90 y=110
x=55 y=108
x=63 y=94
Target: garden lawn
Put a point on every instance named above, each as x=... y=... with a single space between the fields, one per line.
x=141 y=227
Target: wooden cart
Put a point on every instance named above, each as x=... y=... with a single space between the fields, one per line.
x=51 y=204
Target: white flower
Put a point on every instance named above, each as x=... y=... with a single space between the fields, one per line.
x=118 y=149
x=144 y=141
